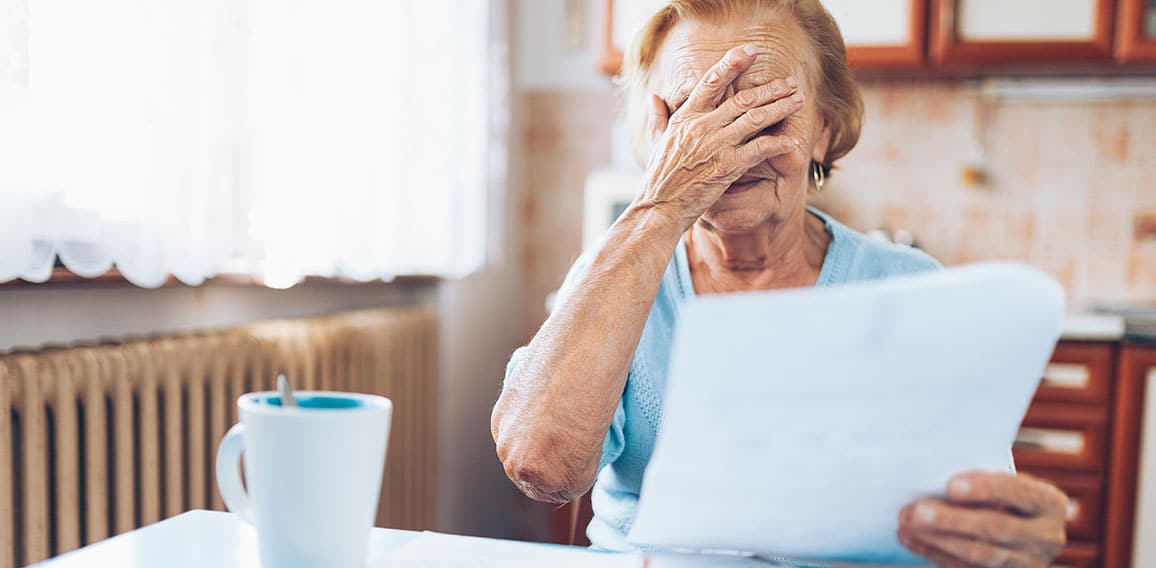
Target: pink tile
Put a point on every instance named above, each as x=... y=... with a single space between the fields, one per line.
x=1142 y=270
x=1112 y=133
x=1143 y=225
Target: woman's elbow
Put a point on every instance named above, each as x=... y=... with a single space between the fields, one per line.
x=539 y=464
x=539 y=474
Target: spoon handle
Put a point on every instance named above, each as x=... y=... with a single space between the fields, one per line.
x=285 y=392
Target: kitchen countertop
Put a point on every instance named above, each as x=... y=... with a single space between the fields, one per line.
x=1093 y=327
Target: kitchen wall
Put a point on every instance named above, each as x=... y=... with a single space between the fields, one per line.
x=1071 y=184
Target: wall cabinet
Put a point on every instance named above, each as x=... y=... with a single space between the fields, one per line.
x=946 y=36
x=881 y=33
x=997 y=32
x=1136 y=31
x=878 y=33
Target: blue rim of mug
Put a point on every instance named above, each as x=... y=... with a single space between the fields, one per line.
x=362 y=403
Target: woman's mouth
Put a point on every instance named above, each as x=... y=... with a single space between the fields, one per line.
x=742 y=184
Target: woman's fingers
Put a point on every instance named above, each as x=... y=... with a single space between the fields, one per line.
x=710 y=89
x=1022 y=493
x=951 y=550
x=984 y=524
x=760 y=118
x=762 y=148
x=745 y=100
x=657 y=117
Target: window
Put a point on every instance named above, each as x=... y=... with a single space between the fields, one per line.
x=279 y=138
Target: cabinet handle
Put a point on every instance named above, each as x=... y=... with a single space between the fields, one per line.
x=1067 y=376
x=1073 y=509
x=1050 y=441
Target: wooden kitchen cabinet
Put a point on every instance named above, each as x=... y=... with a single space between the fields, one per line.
x=622 y=19
x=1079 y=555
x=882 y=33
x=1131 y=505
x=1136 y=31
x=985 y=33
x=1071 y=437
x=945 y=37
x=879 y=34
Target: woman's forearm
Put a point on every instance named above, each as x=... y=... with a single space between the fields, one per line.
x=557 y=404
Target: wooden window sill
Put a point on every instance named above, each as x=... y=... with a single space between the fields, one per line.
x=63 y=278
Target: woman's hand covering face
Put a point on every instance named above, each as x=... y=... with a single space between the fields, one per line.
x=708 y=143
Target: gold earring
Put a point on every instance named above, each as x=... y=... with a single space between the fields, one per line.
x=818 y=175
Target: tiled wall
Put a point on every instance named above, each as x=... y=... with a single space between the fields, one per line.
x=562 y=137
x=1071 y=185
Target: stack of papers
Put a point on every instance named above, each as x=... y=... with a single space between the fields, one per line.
x=434 y=550
x=798 y=424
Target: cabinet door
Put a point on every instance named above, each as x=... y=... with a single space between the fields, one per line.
x=1131 y=507
x=882 y=33
x=877 y=33
x=623 y=19
x=1002 y=32
x=1136 y=31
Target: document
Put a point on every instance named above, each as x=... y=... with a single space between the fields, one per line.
x=435 y=550
x=797 y=424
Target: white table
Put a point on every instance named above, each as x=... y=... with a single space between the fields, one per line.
x=209 y=539
x=197 y=539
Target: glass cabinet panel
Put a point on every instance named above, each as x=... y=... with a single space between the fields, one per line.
x=872 y=22
x=1150 y=27
x=1000 y=20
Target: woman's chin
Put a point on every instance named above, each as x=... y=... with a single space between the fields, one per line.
x=739 y=211
x=737 y=219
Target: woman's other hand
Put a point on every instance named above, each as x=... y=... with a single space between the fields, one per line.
x=989 y=520
x=707 y=144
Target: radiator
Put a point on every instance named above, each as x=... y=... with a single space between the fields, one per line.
x=99 y=439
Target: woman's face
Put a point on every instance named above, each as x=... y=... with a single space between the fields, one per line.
x=692 y=47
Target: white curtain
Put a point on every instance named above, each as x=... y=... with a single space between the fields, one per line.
x=279 y=138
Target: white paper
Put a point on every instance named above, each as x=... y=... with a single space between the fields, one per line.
x=799 y=423
x=659 y=560
x=434 y=550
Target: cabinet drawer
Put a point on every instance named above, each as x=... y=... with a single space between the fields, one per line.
x=1078 y=372
x=1085 y=501
x=1064 y=437
x=1079 y=555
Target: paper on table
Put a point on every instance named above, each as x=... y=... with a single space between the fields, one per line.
x=718 y=560
x=799 y=423
x=434 y=550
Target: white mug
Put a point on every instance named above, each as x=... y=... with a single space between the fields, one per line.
x=313 y=475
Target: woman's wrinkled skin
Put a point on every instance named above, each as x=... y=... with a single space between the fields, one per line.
x=749 y=229
x=732 y=131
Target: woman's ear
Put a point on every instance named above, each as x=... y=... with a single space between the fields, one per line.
x=822 y=141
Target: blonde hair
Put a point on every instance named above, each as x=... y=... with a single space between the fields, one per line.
x=836 y=93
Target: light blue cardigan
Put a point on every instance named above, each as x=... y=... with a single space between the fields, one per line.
x=851 y=257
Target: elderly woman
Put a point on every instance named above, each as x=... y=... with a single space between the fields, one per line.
x=748 y=106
